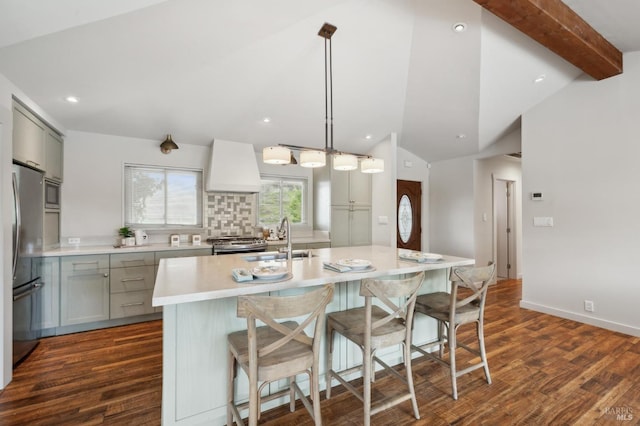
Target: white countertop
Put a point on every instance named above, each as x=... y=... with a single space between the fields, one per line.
x=104 y=249
x=193 y=279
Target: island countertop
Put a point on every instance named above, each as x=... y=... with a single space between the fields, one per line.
x=193 y=279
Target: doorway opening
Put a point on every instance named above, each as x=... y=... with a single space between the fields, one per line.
x=504 y=235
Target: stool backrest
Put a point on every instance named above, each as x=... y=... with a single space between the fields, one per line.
x=477 y=279
x=269 y=309
x=384 y=289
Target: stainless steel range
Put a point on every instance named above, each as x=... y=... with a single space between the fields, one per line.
x=237 y=244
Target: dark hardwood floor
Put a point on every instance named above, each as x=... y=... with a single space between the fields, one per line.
x=545 y=370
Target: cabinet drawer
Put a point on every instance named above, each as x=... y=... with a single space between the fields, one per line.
x=89 y=263
x=134 y=278
x=131 y=304
x=126 y=260
x=182 y=253
x=318 y=245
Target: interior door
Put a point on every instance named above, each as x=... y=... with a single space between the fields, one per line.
x=409 y=201
x=505 y=241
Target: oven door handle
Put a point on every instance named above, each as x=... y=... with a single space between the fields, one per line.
x=37 y=286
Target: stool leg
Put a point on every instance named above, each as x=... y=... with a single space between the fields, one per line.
x=330 y=337
x=315 y=394
x=483 y=352
x=451 y=337
x=407 y=365
x=231 y=369
x=292 y=394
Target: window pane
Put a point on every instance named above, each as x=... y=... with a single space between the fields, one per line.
x=280 y=197
x=270 y=201
x=162 y=197
x=182 y=198
x=146 y=196
x=292 y=201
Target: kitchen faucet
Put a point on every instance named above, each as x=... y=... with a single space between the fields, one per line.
x=288 y=232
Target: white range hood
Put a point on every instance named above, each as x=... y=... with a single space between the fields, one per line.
x=233 y=168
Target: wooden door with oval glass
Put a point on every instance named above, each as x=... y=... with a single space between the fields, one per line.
x=409 y=228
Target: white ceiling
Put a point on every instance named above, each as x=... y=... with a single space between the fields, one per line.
x=205 y=69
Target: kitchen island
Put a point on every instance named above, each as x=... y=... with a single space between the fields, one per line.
x=198 y=295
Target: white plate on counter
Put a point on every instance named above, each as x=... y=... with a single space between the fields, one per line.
x=272 y=272
x=354 y=264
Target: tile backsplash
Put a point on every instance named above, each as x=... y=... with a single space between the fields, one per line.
x=231 y=213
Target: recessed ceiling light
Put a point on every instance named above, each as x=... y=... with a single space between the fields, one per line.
x=459 y=27
x=540 y=78
x=368 y=137
x=71 y=99
x=266 y=120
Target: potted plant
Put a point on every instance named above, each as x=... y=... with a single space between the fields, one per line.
x=127 y=236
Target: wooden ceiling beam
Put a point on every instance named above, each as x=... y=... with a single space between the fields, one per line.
x=554 y=25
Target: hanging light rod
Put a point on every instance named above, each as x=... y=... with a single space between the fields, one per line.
x=316 y=157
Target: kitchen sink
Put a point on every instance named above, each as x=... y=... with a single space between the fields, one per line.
x=277 y=255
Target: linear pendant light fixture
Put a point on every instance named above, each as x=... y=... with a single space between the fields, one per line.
x=313 y=157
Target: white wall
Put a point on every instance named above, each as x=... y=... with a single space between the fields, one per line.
x=581 y=150
x=92 y=191
x=451 y=207
x=418 y=171
x=383 y=197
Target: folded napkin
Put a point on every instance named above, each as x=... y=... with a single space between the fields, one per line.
x=241 y=274
x=335 y=267
x=422 y=259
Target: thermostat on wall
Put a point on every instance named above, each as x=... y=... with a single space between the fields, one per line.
x=536 y=196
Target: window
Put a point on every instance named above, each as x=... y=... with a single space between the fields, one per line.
x=162 y=197
x=280 y=196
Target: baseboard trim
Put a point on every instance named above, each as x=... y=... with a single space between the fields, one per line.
x=585 y=319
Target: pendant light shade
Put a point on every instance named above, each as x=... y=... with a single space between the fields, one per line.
x=372 y=165
x=313 y=158
x=276 y=155
x=345 y=162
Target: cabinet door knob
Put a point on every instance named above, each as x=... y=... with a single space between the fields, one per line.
x=106 y=274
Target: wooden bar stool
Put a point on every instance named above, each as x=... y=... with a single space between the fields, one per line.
x=277 y=350
x=451 y=312
x=371 y=328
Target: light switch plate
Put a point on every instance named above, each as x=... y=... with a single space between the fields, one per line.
x=542 y=221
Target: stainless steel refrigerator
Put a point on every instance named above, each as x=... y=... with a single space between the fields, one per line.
x=27 y=246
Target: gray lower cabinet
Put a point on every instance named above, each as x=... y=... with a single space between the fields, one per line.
x=48 y=268
x=350 y=226
x=84 y=289
x=93 y=288
x=132 y=277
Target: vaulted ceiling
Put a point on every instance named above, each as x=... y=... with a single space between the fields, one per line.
x=203 y=69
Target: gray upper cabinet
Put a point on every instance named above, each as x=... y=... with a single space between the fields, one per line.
x=350 y=188
x=29 y=135
x=53 y=155
x=36 y=144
